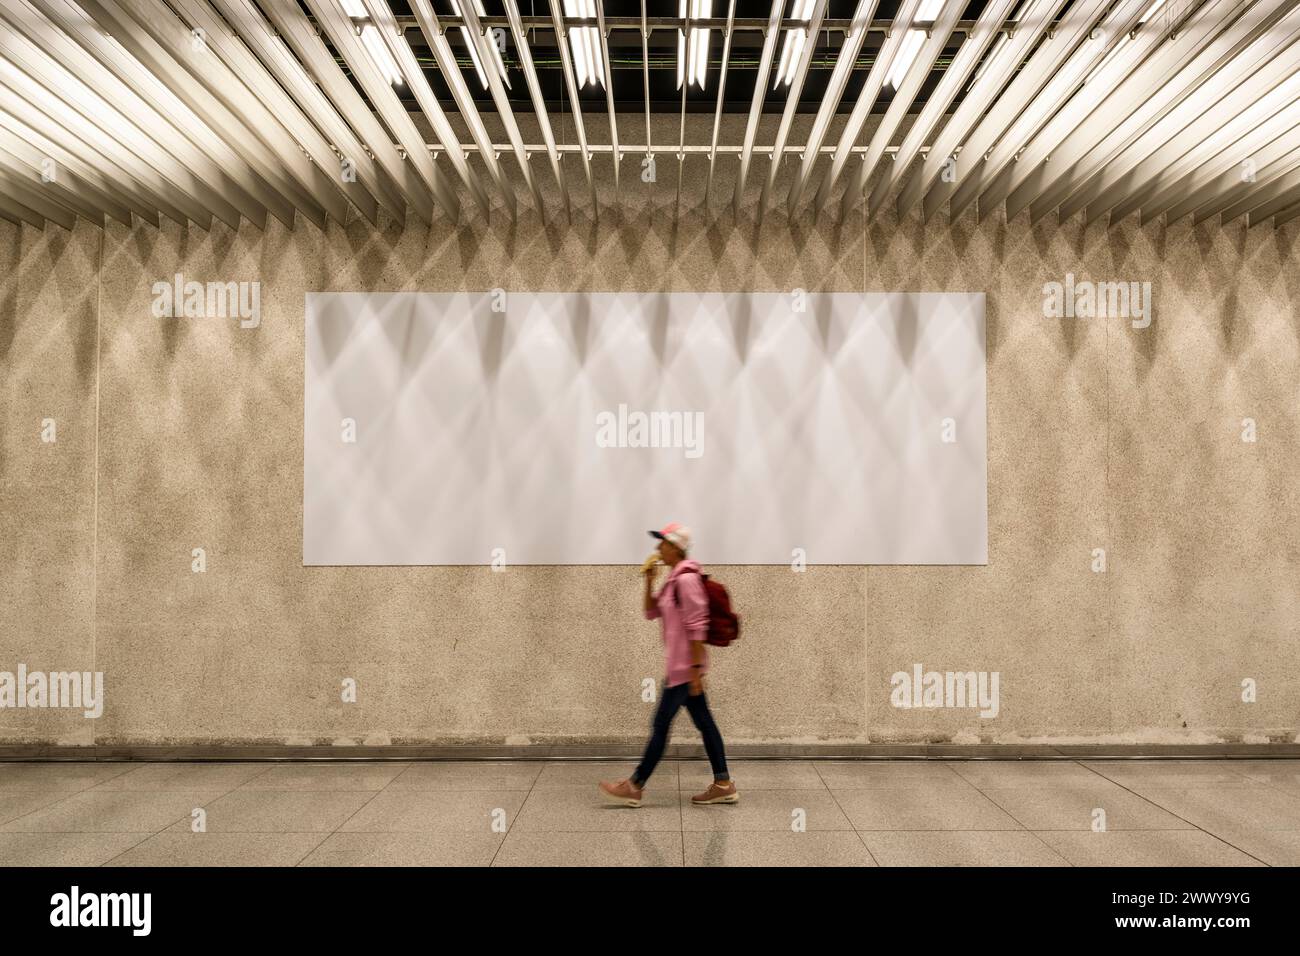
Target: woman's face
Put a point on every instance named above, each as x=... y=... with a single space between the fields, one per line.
x=670 y=553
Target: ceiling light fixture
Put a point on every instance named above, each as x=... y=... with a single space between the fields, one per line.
x=473 y=47
x=374 y=43
x=902 y=62
x=693 y=65
x=585 y=44
x=794 y=44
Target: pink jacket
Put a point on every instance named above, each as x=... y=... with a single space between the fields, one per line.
x=684 y=607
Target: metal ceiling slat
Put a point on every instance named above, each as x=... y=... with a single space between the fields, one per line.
x=722 y=92
x=301 y=36
x=1234 y=195
x=256 y=33
x=1076 y=23
x=35 y=77
x=25 y=158
x=575 y=103
x=338 y=27
x=918 y=71
x=241 y=61
x=42 y=202
x=72 y=40
x=1261 y=146
x=1122 y=18
x=34 y=105
x=1033 y=163
x=14 y=211
x=843 y=70
x=1263 y=203
x=232 y=108
x=684 y=50
x=67 y=190
x=756 y=103
x=505 y=113
x=1215 y=33
x=1187 y=154
x=539 y=101
x=791 y=105
x=609 y=86
x=1289 y=178
x=431 y=29
x=151 y=33
x=1285 y=215
x=993 y=73
x=954 y=79
x=1120 y=108
x=121 y=187
x=1246 y=77
x=8 y=216
x=1198 y=145
x=645 y=77
x=386 y=23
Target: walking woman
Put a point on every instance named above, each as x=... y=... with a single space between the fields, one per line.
x=683 y=608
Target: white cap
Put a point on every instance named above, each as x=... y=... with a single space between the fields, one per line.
x=676 y=534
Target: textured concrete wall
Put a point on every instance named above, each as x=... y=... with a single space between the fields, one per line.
x=183 y=434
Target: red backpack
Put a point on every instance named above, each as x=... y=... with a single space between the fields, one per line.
x=724 y=624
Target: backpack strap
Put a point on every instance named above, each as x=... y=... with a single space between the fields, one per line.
x=676 y=600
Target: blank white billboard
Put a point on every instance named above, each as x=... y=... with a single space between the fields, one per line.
x=843 y=428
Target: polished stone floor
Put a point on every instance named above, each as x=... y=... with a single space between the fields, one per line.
x=792 y=812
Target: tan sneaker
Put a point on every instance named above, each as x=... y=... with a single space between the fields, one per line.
x=624 y=792
x=718 y=793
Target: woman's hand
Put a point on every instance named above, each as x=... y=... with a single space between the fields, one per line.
x=697 y=686
x=648 y=576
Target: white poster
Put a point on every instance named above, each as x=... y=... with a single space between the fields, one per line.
x=523 y=428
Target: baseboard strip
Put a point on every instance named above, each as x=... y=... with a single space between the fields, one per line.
x=632 y=750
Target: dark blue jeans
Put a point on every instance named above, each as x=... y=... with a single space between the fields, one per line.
x=670 y=701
